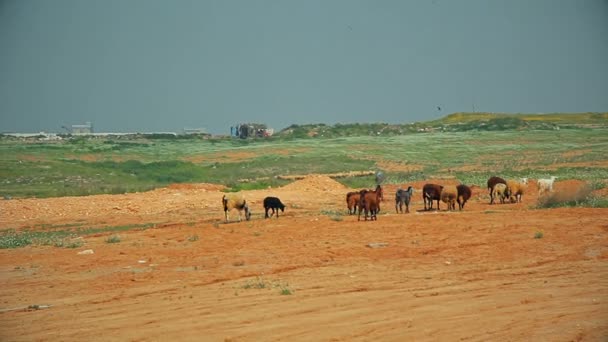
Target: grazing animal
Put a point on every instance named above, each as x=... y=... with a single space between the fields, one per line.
x=516 y=190
x=403 y=197
x=545 y=185
x=493 y=181
x=524 y=180
x=352 y=201
x=273 y=203
x=380 y=191
x=464 y=193
x=500 y=191
x=430 y=193
x=236 y=201
x=370 y=203
x=448 y=195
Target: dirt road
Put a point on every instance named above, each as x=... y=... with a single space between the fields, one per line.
x=311 y=274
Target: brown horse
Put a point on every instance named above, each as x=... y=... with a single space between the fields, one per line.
x=370 y=202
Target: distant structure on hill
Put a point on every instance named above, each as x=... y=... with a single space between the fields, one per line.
x=250 y=130
x=87 y=128
x=195 y=131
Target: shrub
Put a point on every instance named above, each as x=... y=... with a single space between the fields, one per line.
x=113 y=239
x=581 y=197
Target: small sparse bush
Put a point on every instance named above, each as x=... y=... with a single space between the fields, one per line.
x=285 y=290
x=193 y=238
x=582 y=197
x=258 y=283
x=113 y=239
x=538 y=235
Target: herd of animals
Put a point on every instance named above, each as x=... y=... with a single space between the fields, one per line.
x=368 y=201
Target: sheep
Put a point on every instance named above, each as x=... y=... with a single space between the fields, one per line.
x=352 y=200
x=370 y=202
x=464 y=193
x=493 y=181
x=516 y=190
x=403 y=197
x=523 y=180
x=236 y=201
x=430 y=193
x=500 y=190
x=448 y=195
x=273 y=203
x=545 y=185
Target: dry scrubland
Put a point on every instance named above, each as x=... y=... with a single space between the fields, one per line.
x=165 y=266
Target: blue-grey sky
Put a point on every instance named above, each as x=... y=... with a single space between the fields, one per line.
x=152 y=65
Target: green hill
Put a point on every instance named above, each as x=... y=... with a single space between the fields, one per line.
x=456 y=122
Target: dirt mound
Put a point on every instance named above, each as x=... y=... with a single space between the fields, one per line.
x=315 y=183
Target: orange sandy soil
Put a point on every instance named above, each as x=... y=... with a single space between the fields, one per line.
x=475 y=275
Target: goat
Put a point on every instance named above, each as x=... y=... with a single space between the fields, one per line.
x=403 y=197
x=236 y=201
x=430 y=193
x=545 y=185
x=352 y=200
x=273 y=203
x=370 y=202
x=464 y=193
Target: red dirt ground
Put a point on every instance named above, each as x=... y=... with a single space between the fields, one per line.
x=473 y=275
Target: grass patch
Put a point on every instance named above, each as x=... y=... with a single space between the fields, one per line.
x=113 y=239
x=81 y=166
x=193 y=238
x=581 y=197
x=538 y=235
x=334 y=215
x=63 y=238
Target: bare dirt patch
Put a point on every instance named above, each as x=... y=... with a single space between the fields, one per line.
x=479 y=274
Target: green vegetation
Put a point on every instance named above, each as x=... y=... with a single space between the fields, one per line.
x=582 y=197
x=66 y=236
x=261 y=283
x=113 y=239
x=538 y=235
x=466 y=146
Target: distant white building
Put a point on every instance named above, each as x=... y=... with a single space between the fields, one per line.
x=87 y=128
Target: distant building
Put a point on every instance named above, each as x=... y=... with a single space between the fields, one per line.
x=195 y=131
x=82 y=129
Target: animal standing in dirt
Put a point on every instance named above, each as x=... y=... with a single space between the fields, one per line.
x=545 y=185
x=352 y=201
x=448 y=196
x=403 y=197
x=492 y=181
x=430 y=193
x=464 y=194
x=370 y=203
x=516 y=190
x=273 y=203
x=235 y=201
x=501 y=191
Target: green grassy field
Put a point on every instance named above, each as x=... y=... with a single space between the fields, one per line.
x=93 y=166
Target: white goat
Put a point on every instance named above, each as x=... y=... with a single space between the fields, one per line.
x=545 y=185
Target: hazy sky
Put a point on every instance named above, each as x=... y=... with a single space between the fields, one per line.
x=151 y=65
